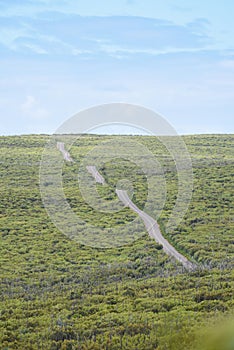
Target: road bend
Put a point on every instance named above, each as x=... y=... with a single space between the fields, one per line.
x=66 y=154
x=151 y=224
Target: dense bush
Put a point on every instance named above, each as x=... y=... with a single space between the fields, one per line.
x=58 y=294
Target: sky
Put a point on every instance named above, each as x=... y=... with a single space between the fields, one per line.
x=175 y=57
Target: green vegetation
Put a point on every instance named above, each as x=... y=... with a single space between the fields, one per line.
x=57 y=294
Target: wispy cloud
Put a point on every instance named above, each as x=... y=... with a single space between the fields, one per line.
x=32 y=109
x=72 y=35
x=55 y=62
x=121 y=52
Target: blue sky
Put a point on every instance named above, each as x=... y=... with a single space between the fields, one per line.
x=59 y=57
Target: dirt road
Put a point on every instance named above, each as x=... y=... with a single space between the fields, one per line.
x=66 y=155
x=154 y=231
x=151 y=225
x=97 y=176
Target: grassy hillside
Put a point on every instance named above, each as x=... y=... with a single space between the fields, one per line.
x=58 y=294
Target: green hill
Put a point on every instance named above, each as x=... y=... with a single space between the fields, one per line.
x=59 y=294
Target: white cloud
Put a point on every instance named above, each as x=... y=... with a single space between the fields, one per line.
x=76 y=35
x=9 y=35
x=31 y=109
x=116 y=51
x=36 y=49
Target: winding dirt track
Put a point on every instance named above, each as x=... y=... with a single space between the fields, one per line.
x=154 y=230
x=66 y=155
x=150 y=224
x=97 y=176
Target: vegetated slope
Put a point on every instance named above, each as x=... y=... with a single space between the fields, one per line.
x=151 y=224
x=57 y=294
